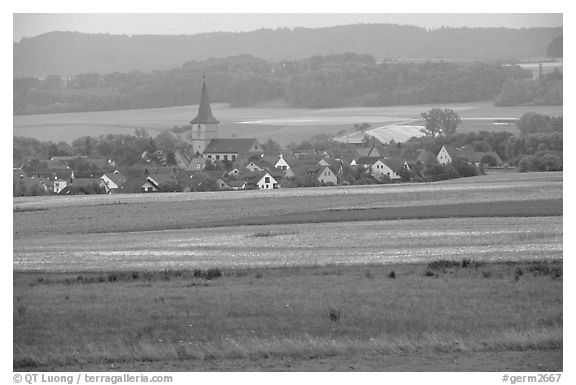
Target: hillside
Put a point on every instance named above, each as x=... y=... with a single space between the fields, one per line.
x=71 y=53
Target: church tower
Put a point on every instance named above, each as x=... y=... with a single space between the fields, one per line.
x=204 y=125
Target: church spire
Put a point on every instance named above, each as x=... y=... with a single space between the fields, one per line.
x=204 y=111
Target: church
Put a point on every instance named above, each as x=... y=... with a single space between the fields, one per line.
x=204 y=140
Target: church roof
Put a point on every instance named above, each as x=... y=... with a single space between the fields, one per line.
x=204 y=111
x=232 y=145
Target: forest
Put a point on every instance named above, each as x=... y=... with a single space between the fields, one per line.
x=72 y=53
x=317 y=82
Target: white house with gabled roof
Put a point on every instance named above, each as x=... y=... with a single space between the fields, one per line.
x=281 y=164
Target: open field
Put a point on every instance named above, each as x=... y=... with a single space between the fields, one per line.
x=347 y=243
x=283 y=125
x=448 y=276
x=323 y=318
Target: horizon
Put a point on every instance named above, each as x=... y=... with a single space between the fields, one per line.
x=30 y=25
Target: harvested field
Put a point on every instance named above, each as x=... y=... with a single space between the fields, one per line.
x=347 y=243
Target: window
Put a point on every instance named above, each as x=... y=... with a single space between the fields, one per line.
x=225 y=157
x=217 y=157
x=233 y=157
x=267 y=180
x=209 y=156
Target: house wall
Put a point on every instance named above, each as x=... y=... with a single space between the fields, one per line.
x=443 y=156
x=379 y=169
x=267 y=184
x=327 y=176
x=148 y=187
x=59 y=185
x=222 y=156
x=282 y=165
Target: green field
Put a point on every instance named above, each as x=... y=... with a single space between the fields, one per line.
x=280 y=319
x=294 y=279
x=284 y=125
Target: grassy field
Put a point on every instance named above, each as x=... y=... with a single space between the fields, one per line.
x=283 y=125
x=285 y=318
x=456 y=275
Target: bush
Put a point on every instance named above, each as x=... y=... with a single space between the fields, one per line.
x=525 y=164
x=465 y=168
x=436 y=172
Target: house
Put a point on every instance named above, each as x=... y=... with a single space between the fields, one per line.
x=325 y=175
x=182 y=159
x=196 y=164
x=366 y=161
x=278 y=162
x=392 y=168
x=231 y=149
x=237 y=184
x=189 y=163
x=449 y=154
x=259 y=165
x=319 y=174
x=113 y=182
x=203 y=180
x=55 y=180
x=140 y=185
x=81 y=186
x=261 y=180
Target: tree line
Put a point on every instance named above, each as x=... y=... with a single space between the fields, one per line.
x=242 y=81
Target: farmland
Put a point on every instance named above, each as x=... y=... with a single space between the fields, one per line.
x=284 y=125
x=456 y=275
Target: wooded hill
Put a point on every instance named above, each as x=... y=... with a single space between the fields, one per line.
x=242 y=81
x=71 y=53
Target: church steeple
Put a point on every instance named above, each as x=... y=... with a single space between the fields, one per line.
x=204 y=126
x=204 y=111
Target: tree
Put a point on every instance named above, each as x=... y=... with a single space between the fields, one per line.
x=525 y=164
x=555 y=47
x=271 y=147
x=464 y=168
x=170 y=158
x=531 y=123
x=210 y=166
x=440 y=122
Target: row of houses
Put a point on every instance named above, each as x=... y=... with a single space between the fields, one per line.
x=250 y=170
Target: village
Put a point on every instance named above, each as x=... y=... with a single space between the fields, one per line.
x=213 y=163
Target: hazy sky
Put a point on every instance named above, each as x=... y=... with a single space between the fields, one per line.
x=33 y=24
